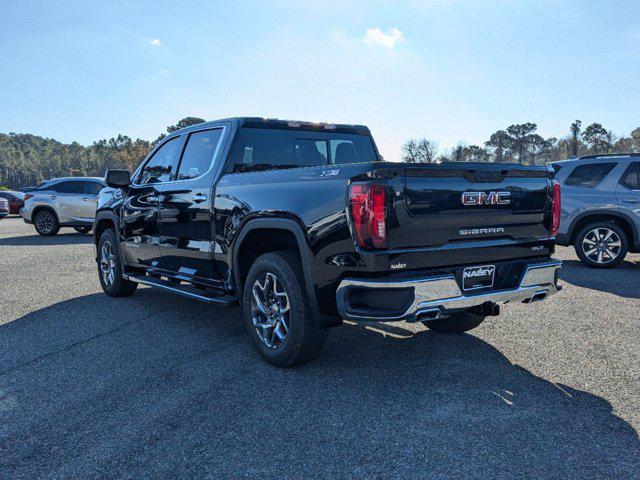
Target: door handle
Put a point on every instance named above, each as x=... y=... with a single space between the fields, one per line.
x=85 y=199
x=53 y=197
x=633 y=200
x=199 y=197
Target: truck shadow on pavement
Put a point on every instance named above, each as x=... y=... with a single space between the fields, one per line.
x=623 y=280
x=35 y=240
x=154 y=386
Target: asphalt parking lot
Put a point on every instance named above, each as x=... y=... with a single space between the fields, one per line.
x=159 y=386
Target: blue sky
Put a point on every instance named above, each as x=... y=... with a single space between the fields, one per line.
x=449 y=70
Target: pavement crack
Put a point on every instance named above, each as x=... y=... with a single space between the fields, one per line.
x=86 y=340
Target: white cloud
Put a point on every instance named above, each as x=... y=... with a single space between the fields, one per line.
x=375 y=36
x=154 y=41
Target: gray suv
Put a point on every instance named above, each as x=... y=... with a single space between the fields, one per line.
x=600 y=207
x=63 y=202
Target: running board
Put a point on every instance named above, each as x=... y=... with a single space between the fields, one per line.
x=187 y=291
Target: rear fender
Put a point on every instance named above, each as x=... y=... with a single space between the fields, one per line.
x=306 y=259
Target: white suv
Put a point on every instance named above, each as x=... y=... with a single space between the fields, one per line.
x=63 y=202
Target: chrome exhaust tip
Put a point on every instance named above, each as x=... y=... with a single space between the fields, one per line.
x=428 y=315
x=538 y=296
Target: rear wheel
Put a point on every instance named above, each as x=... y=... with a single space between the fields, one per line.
x=46 y=223
x=110 y=267
x=82 y=230
x=601 y=245
x=456 y=323
x=276 y=313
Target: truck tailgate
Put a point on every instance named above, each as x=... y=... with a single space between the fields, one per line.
x=449 y=204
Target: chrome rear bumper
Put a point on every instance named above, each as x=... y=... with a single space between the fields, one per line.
x=438 y=295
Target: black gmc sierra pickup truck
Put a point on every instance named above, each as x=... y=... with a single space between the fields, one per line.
x=304 y=225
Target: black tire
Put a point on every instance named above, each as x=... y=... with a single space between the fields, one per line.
x=588 y=237
x=46 y=222
x=82 y=230
x=456 y=323
x=117 y=286
x=303 y=341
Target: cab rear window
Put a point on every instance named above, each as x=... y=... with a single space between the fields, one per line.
x=256 y=149
x=589 y=175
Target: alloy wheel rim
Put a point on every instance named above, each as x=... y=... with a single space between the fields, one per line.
x=270 y=310
x=601 y=245
x=44 y=222
x=107 y=264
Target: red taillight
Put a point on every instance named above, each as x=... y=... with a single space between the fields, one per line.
x=368 y=203
x=27 y=197
x=555 y=209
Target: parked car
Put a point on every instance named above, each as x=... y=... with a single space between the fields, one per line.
x=600 y=207
x=63 y=202
x=4 y=207
x=304 y=225
x=15 y=199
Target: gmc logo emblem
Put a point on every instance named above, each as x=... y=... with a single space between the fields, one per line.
x=483 y=198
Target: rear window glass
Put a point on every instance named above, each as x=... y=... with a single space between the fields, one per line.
x=556 y=167
x=589 y=175
x=631 y=177
x=257 y=149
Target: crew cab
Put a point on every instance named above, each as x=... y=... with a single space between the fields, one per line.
x=304 y=224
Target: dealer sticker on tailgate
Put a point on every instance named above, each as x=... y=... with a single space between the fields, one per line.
x=478 y=277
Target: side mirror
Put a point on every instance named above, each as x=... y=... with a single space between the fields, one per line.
x=118 y=178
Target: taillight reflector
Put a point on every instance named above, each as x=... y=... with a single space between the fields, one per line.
x=368 y=203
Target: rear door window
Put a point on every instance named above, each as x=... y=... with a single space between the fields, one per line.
x=631 y=177
x=68 y=187
x=198 y=154
x=589 y=175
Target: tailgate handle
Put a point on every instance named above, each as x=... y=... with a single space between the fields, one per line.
x=489 y=175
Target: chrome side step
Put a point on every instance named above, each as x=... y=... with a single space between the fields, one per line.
x=187 y=291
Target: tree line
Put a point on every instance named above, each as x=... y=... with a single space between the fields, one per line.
x=27 y=160
x=520 y=143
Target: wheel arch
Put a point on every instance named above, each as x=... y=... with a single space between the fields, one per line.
x=621 y=219
x=275 y=234
x=104 y=219
x=44 y=206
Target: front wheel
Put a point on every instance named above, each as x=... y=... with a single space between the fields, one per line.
x=456 y=323
x=276 y=313
x=601 y=245
x=110 y=267
x=82 y=230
